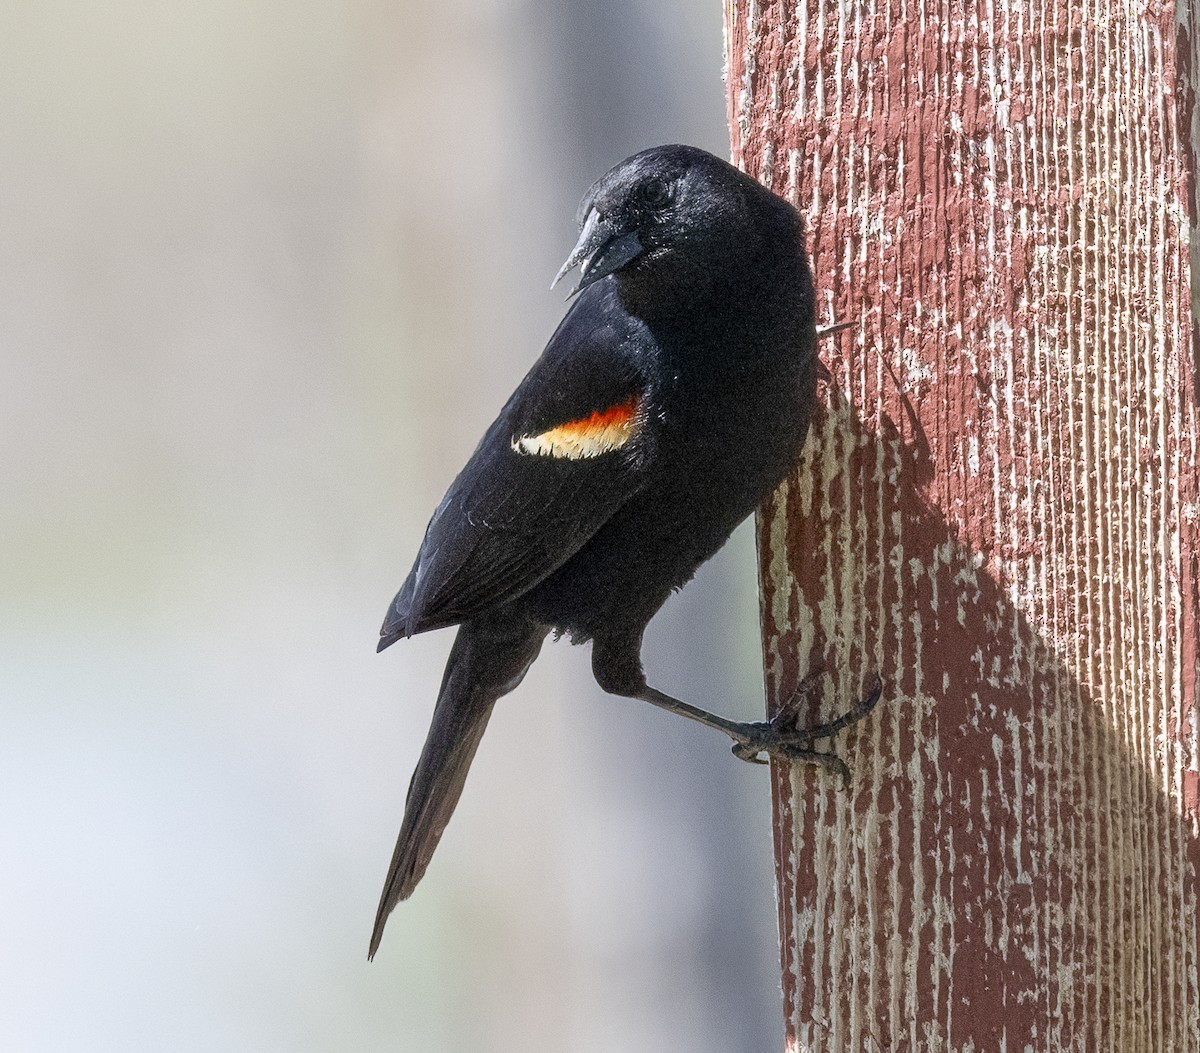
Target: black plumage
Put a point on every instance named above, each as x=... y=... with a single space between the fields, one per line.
x=673 y=398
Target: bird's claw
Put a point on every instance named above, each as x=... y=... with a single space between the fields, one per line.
x=749 y=751
x=778 y=739
x=790 y=748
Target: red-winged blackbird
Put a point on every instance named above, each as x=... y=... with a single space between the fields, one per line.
x=673 y=398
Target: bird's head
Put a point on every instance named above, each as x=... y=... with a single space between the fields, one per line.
x=668 y=205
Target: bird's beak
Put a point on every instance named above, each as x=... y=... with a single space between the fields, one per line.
x=601 y=249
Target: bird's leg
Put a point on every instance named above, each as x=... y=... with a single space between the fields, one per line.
x=777 y=737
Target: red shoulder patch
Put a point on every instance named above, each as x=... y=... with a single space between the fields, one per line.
x=600 y=432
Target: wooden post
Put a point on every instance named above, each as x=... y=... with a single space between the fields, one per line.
x=999 y=513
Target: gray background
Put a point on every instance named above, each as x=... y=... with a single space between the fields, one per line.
x=269 y=270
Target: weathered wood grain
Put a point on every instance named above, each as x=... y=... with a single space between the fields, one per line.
x=999 y=513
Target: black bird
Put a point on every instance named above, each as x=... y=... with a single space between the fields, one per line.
x=673 y=398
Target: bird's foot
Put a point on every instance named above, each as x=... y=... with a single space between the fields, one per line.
x=780 y=738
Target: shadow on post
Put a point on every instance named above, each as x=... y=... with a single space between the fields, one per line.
x=1013 y=866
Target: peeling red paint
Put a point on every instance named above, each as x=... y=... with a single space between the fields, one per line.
x=999 y=514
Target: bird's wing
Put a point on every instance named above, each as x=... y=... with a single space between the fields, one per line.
x=566 y=452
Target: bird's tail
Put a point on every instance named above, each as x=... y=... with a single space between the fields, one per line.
x=486 y=662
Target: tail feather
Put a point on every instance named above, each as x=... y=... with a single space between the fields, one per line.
x=483 y=666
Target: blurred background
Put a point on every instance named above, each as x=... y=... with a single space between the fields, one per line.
x=269 y=270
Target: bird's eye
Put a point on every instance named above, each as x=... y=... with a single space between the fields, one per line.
x=656 y=193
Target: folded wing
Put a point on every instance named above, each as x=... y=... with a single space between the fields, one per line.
x=566 y=452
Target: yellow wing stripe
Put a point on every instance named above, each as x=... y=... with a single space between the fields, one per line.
x=600 y=432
